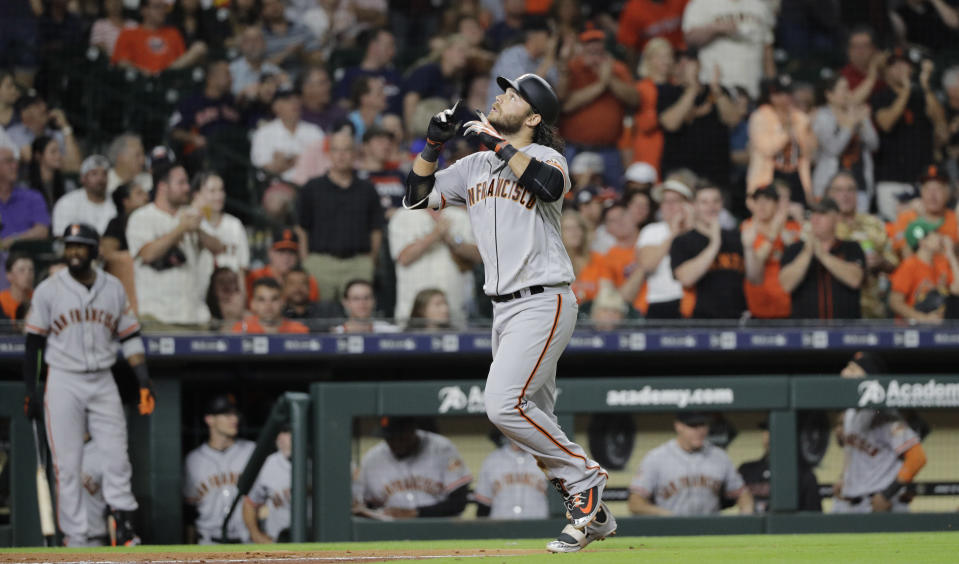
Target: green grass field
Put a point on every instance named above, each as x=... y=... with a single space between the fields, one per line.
x=845 y=548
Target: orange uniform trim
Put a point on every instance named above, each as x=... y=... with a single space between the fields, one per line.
x=519 y=400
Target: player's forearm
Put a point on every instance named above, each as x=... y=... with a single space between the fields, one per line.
x=419 y=183
x=452 y=506
x=745 y=503
x=639 y=505
x=250 y=520
x=913 y=461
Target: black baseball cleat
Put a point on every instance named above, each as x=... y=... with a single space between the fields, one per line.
x=120 y=528
x=582 y=507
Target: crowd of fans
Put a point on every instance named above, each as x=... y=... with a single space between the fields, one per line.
x=729 y=159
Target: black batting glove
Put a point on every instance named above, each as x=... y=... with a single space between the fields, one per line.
x=489 y=137
x=441 y=129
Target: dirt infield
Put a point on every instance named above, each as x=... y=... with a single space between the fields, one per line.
x=279 y=556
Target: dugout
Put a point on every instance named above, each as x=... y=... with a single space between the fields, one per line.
x=374 y=372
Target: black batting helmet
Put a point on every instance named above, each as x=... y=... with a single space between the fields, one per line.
x=537 y=92
x=83 y=234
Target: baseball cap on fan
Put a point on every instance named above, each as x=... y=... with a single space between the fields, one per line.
x=641 y=173
x=919 y=229
x=286 y=239
x=671 y=186
x=93 y=162
x=587 y=162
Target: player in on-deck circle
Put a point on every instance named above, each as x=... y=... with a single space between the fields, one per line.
x=882 y=454
x=514 y=195
x=77 y=318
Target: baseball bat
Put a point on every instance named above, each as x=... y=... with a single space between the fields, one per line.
x=44 y=500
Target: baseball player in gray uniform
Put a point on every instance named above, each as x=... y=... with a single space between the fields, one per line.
x=514 y=194
x=271 y=489
x=687 y=475
x=78 y=318
x=212 y=471
x=882 y=454
x=511 y=486
x=412 y=473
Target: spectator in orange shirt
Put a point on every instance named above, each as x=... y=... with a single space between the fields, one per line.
x=153 y=46
x=20 y=276
x=588 y=264
x=267 y=308
x=782 y=142
x=596 y=91
x=924 y=281
x=643 y=20
x=284 y=256
x=773 y=232
x=934 y=194
x=622 y=266
x=655 y=68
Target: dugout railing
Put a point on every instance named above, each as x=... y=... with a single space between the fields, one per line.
x=337 y=405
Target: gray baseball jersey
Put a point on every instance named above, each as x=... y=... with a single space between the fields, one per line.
x=82 y=327
x=92 y=479
x=517 y=234
x=422 y=479
x=872 y=451
x=272 y=488
x=687 y=483
x=209 y=483
x=513 y=485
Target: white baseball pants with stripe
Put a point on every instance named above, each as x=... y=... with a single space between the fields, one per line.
x=529 y=335
x=75 y=403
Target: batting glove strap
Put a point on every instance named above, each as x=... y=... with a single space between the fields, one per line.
x=431 y=152
x=505 y=151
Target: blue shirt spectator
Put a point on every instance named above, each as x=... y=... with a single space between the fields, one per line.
x=380 y=48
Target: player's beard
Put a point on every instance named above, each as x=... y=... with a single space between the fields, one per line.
x=507 y=125
x=80 y=268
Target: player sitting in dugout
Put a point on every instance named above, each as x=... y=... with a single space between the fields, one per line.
x=412 y=473
x=687 y=475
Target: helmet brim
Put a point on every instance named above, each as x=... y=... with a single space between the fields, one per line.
x=506 y=83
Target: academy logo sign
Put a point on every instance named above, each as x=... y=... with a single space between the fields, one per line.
x=670 y=397
x=894 y=394
x=454 y=398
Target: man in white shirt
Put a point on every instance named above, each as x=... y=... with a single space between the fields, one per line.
x=663 y=292
x=277 y=144
x=90 y=205
x=431 y=250
x=735 y=36
x=166 y=242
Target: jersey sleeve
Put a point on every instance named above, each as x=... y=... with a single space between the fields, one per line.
x=190 y=493
x=260 y=492
x=645 y=480
x=451 y=184
x=900 y=436
x=38 y=318
x=455 y=474
x=732 y=479
x=484 y=483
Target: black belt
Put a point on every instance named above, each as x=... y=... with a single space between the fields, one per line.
x=517 y=294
